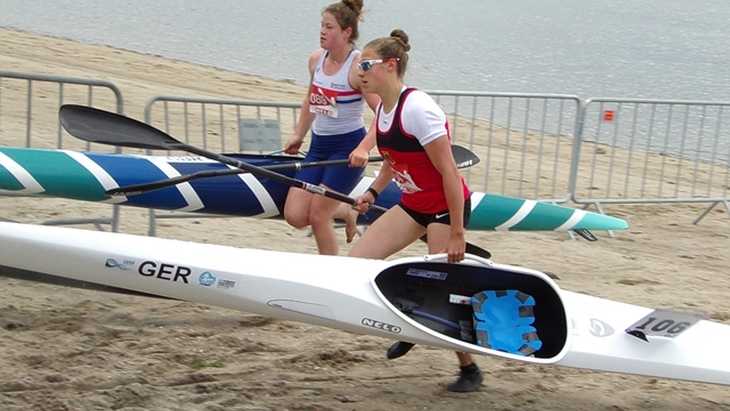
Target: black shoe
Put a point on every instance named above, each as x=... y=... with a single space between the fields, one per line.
x=398 y=349
x=470 y=379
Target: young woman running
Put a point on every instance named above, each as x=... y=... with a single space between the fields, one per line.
x=333 y=109
x=413 y=137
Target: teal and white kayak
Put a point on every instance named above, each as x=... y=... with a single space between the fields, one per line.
x=87 y=176
x=476 y=306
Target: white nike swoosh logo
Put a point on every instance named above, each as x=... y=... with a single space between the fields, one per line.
x=438 y=216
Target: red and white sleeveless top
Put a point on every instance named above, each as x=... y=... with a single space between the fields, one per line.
x=338 y=108
x=415 y=122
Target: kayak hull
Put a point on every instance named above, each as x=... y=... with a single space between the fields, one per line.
x=355 y=295
x=87 y=176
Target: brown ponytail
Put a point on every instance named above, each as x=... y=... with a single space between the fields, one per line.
x=395 y=46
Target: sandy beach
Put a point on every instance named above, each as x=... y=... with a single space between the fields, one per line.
x=72 y=349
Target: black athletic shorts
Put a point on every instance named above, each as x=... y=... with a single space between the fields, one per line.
x=440 y=217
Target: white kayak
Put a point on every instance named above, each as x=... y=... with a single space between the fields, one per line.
x=476 y=306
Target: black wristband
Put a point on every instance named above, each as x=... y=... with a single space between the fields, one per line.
x=373 y=192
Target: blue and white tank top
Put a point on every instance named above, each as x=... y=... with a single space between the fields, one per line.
x=338 y=108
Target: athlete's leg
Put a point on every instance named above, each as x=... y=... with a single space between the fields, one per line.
x=438 y=237
x=347 y=214
x=344 y=178
x=321 y=214
x=296 y=207
x=391 y=232
x=298 y=201
x=470 y=376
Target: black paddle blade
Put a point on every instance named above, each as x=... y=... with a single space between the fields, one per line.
x=104 y=127
x=463 y=157
x=477 y=251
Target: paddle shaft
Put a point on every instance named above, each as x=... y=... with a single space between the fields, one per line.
x=99 y=126
x=136 y=189
x=105 y=127
x=463 y=157
x=262 y=172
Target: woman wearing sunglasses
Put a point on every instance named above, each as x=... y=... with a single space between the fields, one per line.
x=333 y=109
x=413 y=137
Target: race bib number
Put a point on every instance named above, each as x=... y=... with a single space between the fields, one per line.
x=663 y=323
x=323 y=101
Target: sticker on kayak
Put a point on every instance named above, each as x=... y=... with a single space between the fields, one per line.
x=663 y=323
x=434 y=275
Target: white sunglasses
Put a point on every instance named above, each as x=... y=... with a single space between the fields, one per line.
x=366 y=65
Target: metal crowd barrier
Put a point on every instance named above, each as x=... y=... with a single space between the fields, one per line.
x=523 y=140
x=652 y=151
x=221 y=125
x=547 y=147
x=194 y=124
x=38 y=116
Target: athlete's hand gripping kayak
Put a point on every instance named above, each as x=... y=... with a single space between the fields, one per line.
x=456 y=247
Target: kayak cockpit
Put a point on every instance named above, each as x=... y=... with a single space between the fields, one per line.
x=489 y=307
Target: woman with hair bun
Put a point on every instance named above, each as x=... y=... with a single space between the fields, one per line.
x=413 y=136
x=333 y=109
